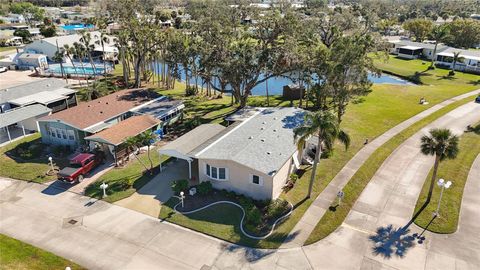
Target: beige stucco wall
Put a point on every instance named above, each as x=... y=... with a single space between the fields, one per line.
x=281 y=177
x=239 y=179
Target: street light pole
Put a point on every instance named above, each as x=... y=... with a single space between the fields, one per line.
x=443 y=185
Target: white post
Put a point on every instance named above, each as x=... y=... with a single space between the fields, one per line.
x=189 y=169
x=439 y=200
x=182 y=196
x=8 y=133
x=23 y=129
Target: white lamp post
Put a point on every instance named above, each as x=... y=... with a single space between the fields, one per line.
x=50 y=159
x=443 y=185
x=182 y=197
x=104 y=187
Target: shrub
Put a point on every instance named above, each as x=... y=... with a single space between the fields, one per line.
x=179 y=185
x=253 y=216
x=205 y=188
x=293 y=178
x=451 y=73
x=190 y=91
x=276 y=208
x=27 y=150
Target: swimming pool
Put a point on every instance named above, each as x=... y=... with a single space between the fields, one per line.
x=72 y=27
x=78 y=70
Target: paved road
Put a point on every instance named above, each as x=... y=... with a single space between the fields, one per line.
x=317 y=209
x=108 y=236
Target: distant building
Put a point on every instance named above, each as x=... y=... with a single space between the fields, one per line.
x=412 y=50
x=49 y=46
x=13 y=18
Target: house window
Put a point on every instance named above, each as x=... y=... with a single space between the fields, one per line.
x=52 y=132
x=221 y=173
x=64 y=134
x=216 y=173
x=257 y=180
x=59 y=135
x=71 y=135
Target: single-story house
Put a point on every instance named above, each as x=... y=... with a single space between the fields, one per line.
x=72 y=126
x=52 y=93
x=21 y=106
x=13 y=18
x=254 y=156
x=413 y=50
x=469 y=60
x=49 y=46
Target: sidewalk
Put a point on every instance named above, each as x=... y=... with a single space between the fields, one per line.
x=314 y=213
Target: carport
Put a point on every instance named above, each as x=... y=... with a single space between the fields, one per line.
x=23 y=117
x=190 y=143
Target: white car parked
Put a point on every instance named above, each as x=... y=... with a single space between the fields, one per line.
x=3 y=69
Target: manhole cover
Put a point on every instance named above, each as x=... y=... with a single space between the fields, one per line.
x=72 y=221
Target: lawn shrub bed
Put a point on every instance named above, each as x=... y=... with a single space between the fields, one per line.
x=259 y=214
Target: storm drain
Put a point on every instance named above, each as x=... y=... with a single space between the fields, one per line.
x=72 y=221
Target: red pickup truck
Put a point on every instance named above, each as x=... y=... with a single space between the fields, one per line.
x=80 y=165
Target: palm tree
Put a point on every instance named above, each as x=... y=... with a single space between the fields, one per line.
x=147 y=138
x=58 y=58
x=439 y=33
x=442 y=144
x=69 y=51
x=132 y=143
x=324 y=125
x=456 y=58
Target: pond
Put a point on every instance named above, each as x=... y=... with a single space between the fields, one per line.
x=275 y=84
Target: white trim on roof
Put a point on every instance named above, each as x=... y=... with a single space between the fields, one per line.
x=413 y=48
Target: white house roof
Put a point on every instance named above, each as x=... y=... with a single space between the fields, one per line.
x=19 y=114
x=264 y=142
x=413 y=48
x=183 y=146
x=12 y=93
x=45 y=97
x=474 y=55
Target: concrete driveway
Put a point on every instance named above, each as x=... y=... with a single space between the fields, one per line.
x=149 y=198
x=79 y=188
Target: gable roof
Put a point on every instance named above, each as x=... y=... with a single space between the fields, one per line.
x=263 y=142
x=102 y=109
x=20 y=91
x=118 y=133
x=65 y=40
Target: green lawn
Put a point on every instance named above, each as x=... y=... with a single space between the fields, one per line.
x=17 y=255
x=4 y=49
x=221 y=221
x=29 y=170
x=124 y=181
x=456 y=171
x=333 y=219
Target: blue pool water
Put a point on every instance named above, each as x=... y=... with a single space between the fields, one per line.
x=275 y=84
x=71 y=27
x=80 y=70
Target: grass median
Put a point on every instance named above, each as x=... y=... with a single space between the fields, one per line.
x=455 y=170
x=331 y=220
x=15 y=254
